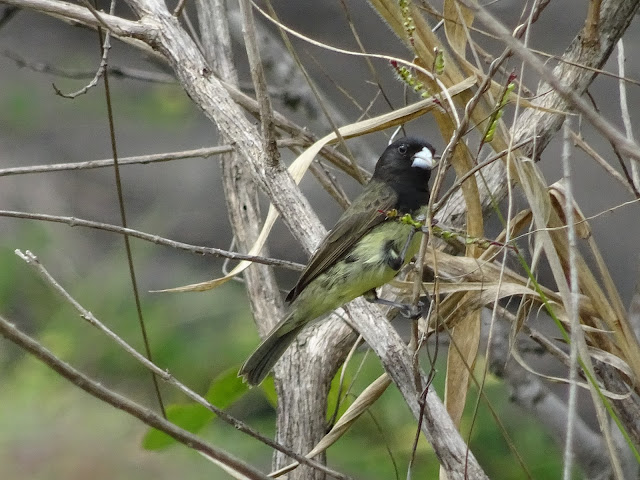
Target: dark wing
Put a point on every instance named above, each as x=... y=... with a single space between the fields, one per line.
x=367 y=210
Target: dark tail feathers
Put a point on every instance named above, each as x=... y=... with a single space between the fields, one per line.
x=262 y=360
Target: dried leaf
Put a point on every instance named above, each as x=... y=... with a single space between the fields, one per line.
x=454 y=14
x=361 y=404
x=587 y=386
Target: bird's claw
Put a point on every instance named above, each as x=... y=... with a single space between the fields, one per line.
x=413 y=312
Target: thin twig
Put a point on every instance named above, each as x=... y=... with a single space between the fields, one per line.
x=496 y=156
x=11 y=333
x=120 y=72
x=314 y=90
x=599 y=71
x=33 y=262
x=462 y=126
x=138 y=159
x=572 y=309
x=259 y=84
x=372 y=69
x=624 y=110
x=616 y=150
x=215 y=252
x=105 y=47
x=443 y=89
x=295 y=89
x=284 y=123
x=586 y=148
x=531 y=232
x=179 y=8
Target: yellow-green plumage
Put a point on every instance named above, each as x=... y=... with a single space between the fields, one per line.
x=361 y=253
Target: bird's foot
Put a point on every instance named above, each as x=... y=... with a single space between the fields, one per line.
x=407 y=310
x=413 y=312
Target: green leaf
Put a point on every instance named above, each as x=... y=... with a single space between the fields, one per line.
x=333 y=397
x=191 y=417
x=225 y=389
x=269 y=390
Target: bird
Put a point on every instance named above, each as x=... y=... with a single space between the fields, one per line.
x=366 y=249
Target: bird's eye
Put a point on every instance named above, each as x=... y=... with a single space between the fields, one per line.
x=402 y=149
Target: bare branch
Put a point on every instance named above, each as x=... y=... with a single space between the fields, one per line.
x=572 y=309
x=585 y=147
x=11 y=333
x=33 y=262
x=138 y=159
x=216 y=252
x=117 y=25
x=106 y=46
x=118 y=72
x=259 y=83
x=293 y=89
x=624 y=110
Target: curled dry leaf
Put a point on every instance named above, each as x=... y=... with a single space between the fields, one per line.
x=361 y=404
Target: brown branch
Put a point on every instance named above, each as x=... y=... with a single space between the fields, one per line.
x=335 y=157
x=294 y=89
x=592 y=23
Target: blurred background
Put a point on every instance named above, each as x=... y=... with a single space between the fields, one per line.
x=51 y=430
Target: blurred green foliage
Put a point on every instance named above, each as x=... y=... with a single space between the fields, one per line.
x=160 y=106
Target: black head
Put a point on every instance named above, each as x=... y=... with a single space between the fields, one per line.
x=406 y=166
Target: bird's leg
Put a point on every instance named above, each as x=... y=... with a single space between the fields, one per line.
x=394 y=259
x=406 y=310
x=418 y=226
x=405 y=249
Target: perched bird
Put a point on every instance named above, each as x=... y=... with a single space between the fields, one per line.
x=366 y=249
